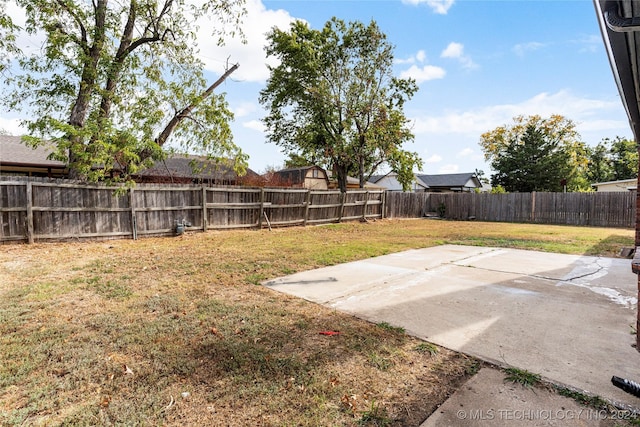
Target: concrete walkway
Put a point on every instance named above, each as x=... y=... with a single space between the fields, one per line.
x=568 y=318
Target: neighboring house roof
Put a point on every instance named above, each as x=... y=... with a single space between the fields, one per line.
x=352 y=182
x=15 y=152
x=451 y=180
x=15 y=156
x=620 y=185
x=183 y=166
x=390 y=182
x=424 y=182
x=298 y=175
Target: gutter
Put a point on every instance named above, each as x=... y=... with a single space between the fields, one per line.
x=616 y=34
x=617 y=23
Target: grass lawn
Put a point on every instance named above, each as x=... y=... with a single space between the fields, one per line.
x=176 y=330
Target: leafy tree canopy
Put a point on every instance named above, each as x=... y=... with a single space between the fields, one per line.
x=613 y=160
x=536 y=154
x=114 y=80
x=333 y=100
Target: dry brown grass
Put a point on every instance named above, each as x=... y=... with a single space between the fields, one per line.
x=175 y=331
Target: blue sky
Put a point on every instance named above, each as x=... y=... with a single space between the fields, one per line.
x=478 y=64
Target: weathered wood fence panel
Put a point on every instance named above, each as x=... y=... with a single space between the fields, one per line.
x=13 y=211
x=233 y=207
x=32 y=209
x=605 y=209
x=158 y=209
x=405 y=205
x=324 y=207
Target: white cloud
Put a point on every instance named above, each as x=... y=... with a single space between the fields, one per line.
x=256 y=125
x=456 y=51
x=466 y=152
x=244 y=109
x=440 y=7
x=251 y=55
x=522 y=48
x=453 y=50
x=591 y=43
x=420 y=56
x=587 y=113
x=423 y=74
x=12 y=126
x=434 y=158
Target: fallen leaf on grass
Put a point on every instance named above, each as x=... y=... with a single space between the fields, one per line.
x=104 y=402
x=329 y=333
x=350 y=402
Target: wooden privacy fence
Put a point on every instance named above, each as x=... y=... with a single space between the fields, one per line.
x=32 y=210
x=604 y=209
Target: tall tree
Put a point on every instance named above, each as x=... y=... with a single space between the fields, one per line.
x=536 y=154
x=624 y=158
x=114 y=80
x=599 y=166
x=333 y=96
x=613 y=160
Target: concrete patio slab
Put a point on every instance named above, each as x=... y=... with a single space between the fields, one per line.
x=566 y=317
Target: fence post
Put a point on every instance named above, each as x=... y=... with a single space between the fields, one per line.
x=306 y=209
x=533 y=206
x=383 y=205
x=134 y=228
x=426 y=204
x=343 y=198
x=29 y=212
x=204 y=208
x=261 y=213
x=364 y=207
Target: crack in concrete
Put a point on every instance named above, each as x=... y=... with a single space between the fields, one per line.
x=600 y=268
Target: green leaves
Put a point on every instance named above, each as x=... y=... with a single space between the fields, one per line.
x=536 y=154
x=112 y=75
x=333 y=98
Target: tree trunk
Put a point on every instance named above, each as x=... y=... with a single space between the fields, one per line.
x=80 y=110
x=116 y=64
x=361 y=174
x=341 y=171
